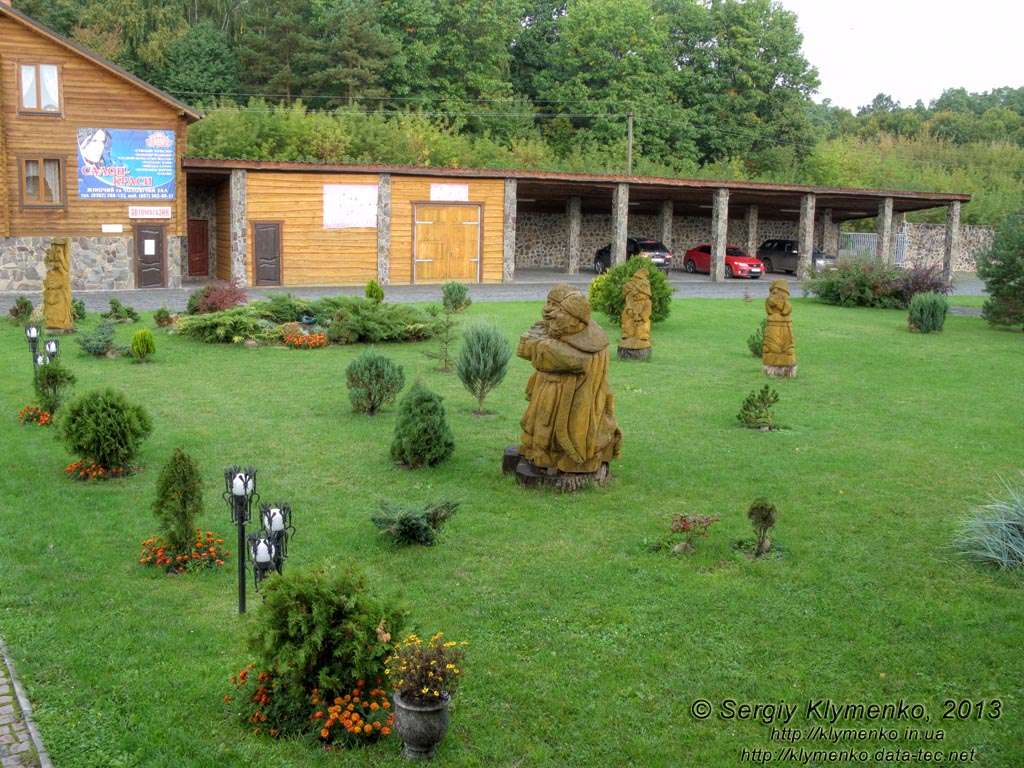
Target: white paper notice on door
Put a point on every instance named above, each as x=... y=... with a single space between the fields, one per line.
x=347 y=206
x=149 y=247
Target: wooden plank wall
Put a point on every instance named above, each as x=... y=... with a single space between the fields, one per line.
x=407 y=191
x=222 y=270
x=93 y=98
x=311 y=255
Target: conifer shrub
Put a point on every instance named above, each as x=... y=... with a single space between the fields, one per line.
x=1002 y=269
x=927 y=312
x=605 y=292
x=120 y=313
x=192 y=306
x=446 y=332
x=21 y=311
x=482 y=361
x=231 y=326
x=102 y=428
x=455 y=296
x=414 y=525
x=756 y=412
x=143 y=344
x=98 y=342
x=281 y=308
x=374 y=292
x=358 y=320
x=52 y=383
x=77 y=309
x=373 y=382
x=179 y=501
x=422 y=435
x=755 y=342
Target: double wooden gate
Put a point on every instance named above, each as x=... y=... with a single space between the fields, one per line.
x=446 y=243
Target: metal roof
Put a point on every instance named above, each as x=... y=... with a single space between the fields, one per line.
x=548 y=192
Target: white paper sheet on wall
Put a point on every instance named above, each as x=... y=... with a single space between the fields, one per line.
x=347 y=206
x=449 y=192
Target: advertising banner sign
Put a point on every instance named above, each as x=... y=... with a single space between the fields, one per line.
x=119 y=164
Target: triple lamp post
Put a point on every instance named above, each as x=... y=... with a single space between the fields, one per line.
x=267 y=548
x=50 y=346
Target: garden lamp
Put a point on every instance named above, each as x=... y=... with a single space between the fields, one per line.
x=52 y=347
x=277 y=521
x=240 y=494
x=32 y=334
x=264 y=555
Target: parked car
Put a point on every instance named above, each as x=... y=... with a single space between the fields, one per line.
x=738 y=263
x=636 y=246
x=784 y=255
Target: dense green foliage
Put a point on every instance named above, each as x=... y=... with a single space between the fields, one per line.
x=927 y=312
x=482 y=361
x=755 y=342
x=320 y=630
x=143 y=345
x=374 y=292
x=231 y=326
x=605 y=293
x=363 y=320
x=455 y=296
x=1002 y=269
x=422 y=435
x=414 y=525
x=871 y=283
x=756 y=411
x=52 y=383
x=179 y=501
x=102 y=427
x=120 y=313
x=373 y=382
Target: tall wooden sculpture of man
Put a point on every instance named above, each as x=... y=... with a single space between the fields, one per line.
x=569 y=429
x=57 y=287
x=778 y=354
x=636 y=317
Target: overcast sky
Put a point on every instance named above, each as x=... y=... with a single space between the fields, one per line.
x=910 y=49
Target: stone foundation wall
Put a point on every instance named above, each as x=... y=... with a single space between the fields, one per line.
x=926 y=245
x=97 y=263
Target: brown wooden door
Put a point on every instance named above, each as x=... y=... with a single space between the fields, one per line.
x=198 y=248
x=266 y=237
x=447 y=243
x=149 y=256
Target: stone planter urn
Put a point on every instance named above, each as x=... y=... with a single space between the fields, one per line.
x=421 y=726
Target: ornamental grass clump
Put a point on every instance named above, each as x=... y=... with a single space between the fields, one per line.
x=105 y=431
x=993 y=531
x=423 y=672
x=319 y=636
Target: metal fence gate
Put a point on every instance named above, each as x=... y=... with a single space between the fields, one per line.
x=862 y=245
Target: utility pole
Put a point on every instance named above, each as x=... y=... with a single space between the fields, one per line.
x=629 y=143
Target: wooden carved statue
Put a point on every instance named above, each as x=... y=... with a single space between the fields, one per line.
x=569 y=429
x=57 y=286
x=636 y=318
x=778 y=355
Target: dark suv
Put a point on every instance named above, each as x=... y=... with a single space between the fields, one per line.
x=783 y=256
x=636 y=246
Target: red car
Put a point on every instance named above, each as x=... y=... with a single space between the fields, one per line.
x=737 y=262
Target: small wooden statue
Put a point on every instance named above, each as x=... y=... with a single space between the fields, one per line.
x=57 y=286
x=778 y=355
x=636 y=318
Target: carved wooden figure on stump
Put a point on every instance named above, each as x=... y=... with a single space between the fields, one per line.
x=778 y=355
x=569 y=428
x=636 y=318
x=57 y=286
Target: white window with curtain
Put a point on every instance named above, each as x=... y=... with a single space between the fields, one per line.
x=42 y=182
x=40 y=88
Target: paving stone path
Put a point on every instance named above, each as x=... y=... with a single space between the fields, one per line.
x=20 y=743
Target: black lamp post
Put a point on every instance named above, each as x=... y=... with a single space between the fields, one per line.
x=240 y=494
x=268 y=547
x=52 y=347
x=32 y=334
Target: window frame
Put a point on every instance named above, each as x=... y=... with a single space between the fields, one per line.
x=37 y=203
x=41 y=110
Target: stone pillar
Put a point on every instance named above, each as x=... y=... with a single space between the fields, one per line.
x=826 y=231
x=752 y=239
x=883 y=246
x=952 y=251
x=805 y=235
x=665 y=223
x=719 y=233
x=239 y=228
x=620 y=223
x=508 y=257
x=384 y=229
x=574 y=220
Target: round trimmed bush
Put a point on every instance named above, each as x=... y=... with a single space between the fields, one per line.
x=103 y=428
x=605 y=293
x=373 y=382
x=422 y=435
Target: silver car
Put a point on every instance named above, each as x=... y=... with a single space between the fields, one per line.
x=784 y=255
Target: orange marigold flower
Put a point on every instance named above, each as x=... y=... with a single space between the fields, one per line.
x=324 y=733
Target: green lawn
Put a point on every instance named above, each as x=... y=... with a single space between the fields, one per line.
x=584 y=648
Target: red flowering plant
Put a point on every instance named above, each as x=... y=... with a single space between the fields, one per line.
x=206 y=552
x=30 y=414
x=683 y=531
x=297 y=339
